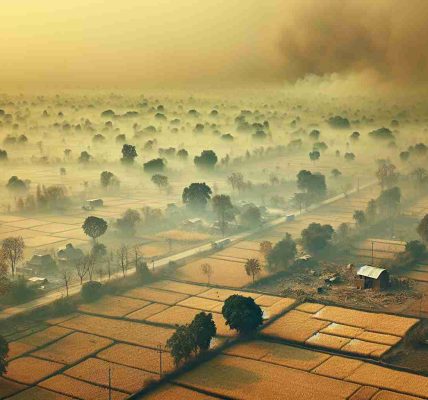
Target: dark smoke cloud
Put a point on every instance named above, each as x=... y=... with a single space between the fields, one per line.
x=386 y=38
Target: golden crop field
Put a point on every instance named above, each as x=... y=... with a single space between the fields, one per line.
x=175 y=315
x=155 y=295
x=17 y=348
x=73 y=348
x=114 y=306
x=147 y=311
x=174 y=392
x=39 y=393
x=8 y=388
x=45 y=336
x=184 y=236
x=178 y=287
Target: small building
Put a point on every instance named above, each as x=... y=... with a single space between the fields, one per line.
x=369 y=277
x=69 y=253
x=41 y=263
x=193 y=223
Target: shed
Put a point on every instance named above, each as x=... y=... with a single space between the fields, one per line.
x=369 y=277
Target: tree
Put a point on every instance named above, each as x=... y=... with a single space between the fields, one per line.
x=416 y=249
x=314 y=155
x=127 y=223
x=422 y=228
x=196 y=196
x=161 y=181
x=84 y=157
x=389 y=201
x=203 y=330
x=155 y=165
x=128 y=154
x=182 y=154
x=15 y=184
x=335 y=173
x=81 y=265
x=94 y=227
x=251 y=217
x=371 y=210
x=386 y=175
x=91 y=291
x=207 y=160
x=316 y=237
x=359 y=217
x=419 y=176
x=181 y=344
x=313 y=184
x=66 y=275
x=11 y=252
x=223 y=207
x=207 y=270
x=265 y=248
x=122 y=258
x=107 y=179
x=282 y=253
x=242 y=314
x=236 y=180
x=4 y=351
x=4 y=280
x=252 y=267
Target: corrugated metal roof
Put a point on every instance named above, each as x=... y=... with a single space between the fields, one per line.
x=370 y=272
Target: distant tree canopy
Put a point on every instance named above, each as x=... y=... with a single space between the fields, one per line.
x=126 y=224
x=388 y=201
x=161 y=181
x=314 y=134
x=155 y=165
x=108 y=179
x=183 y=154
x=359 y=217
x=196 y=195
x=339 y=122
x=223 y=208
x=381 y=134
x=422 y=228
x=4 y=351
x=314 y=155
x=354 y=136
x=3 y=155
x=16 y=185
x=251 y=216
x=242 y=314
x=129 y=153
x=84 y=157
x=313 y=184
x=282 y=253
x=207 y=160
x=316 y=237
x=94 y=227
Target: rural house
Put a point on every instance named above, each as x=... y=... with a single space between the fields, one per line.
x=369 y=277
x=41 y=263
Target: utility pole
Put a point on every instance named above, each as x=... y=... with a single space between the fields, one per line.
x=153 y=264
x=372 y=254
x=160 y=359
x=109 y=383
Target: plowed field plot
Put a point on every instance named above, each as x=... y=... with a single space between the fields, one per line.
x=45 y=336
x=114 y=306
x=155 y=295
x=363 y=333
x=138 y=357
x=122 y=331
x=73 y=348
x=8 y=388
x=222 y=294
x=178 y=287
x=174 y=392
x=239 y=253
x=201 y=303
x=123 y=378
x=81 y=390
x=250 y=379
x=148 y=311
x=175 y=315
x=225 y=273
x=36 y=393
x=31 y=370
x=17 y=349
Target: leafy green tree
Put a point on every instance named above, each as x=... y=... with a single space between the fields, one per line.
x=94 y=227
x=335 y=173
x=371 y=210
x=207 y=160
x=107 y=179
x=203 y=330
x=181 y=344
x=314 y=155
x=242 y=314
x=422 y=228
x=128 y=154
x=282 y=253
x=155 y=165
x=389 y=201
x=4 y=351
x=359 y=217
x=251 y=217
x=313 y=184
x=161 y=181
x=196 y=196
x=316 y=237
x=12 y=252
x=84 y=157
x=222 y=206
x=416 y=249
x=91 y=291
x=252 y=267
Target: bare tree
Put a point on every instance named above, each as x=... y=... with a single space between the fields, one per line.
x=122 y=258
x=207 y=270
x=67 y=275
x=91 y=266
x=81 y=267
x=12 y=251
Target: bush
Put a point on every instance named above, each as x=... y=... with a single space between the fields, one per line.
x=91 y=291
x=20 y=292
x=63 y=306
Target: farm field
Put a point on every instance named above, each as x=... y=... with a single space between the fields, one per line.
x=256 y=369
x=347 y=330
x=122 y=333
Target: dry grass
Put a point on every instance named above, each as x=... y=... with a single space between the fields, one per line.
x=250 y=379
x=338 y=367
x=184 y=236
x=123 y=378
x=175 y=315
x=178 y=287
x=148 y=311
x=137 y=357
x=73 y=348
x=36 y=393
x=374 y=375
x=155 y=295
x=123 y=331
x=30 y=370
x=45 y=336
x=81 y=390
x=113 y=306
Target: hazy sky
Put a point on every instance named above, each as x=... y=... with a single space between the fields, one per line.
x=99 y=43
x=163 y=43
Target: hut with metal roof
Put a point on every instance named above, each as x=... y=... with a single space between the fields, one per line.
x=369 y=277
